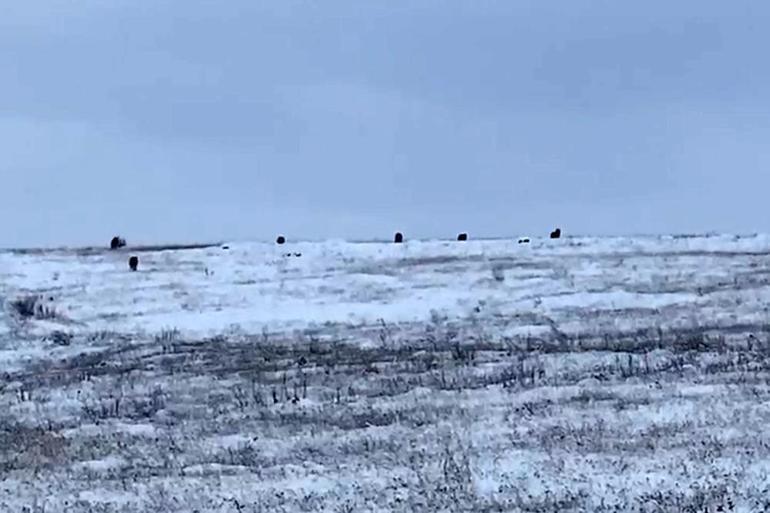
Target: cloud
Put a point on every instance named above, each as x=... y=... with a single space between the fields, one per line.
x=200 y=120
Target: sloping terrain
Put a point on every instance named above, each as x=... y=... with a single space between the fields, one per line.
x=609 y=374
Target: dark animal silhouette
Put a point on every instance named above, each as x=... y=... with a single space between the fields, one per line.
x=225 y=248
x=524 y=240
x=556 y=233
x=462 y=237
x=280 y=240
x=117 y=242
x=399 y=238
x=133 y=263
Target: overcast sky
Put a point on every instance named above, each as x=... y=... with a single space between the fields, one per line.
x=185 y=120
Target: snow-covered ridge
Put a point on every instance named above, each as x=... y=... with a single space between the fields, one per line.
x=255 y=286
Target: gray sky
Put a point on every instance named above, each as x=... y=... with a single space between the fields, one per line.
x=185 y=120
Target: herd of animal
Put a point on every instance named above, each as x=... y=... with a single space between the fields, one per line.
x=133 y=261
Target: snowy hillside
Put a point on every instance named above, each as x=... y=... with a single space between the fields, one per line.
x=583 y=374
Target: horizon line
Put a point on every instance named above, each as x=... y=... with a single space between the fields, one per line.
x=179 y=246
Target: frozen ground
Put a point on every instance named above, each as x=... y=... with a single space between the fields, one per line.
x=584 y=374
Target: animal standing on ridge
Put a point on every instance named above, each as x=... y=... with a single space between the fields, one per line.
x=556 y=233
x=117 y=242
x=462 y=237
x=399 y=238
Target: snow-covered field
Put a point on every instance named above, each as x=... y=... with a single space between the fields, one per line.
x=582 y=374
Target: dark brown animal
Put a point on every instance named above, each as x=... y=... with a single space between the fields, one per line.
x=133 y=263
x=280 y=240
x=556 y=233
x=399 y=238
x=117 y=242
x=462 y=237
